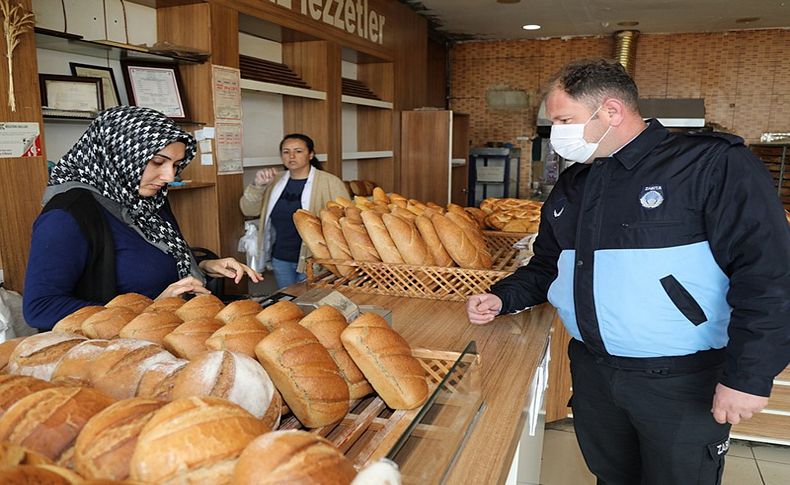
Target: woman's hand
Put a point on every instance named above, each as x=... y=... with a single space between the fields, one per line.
x=229 y=268
x=190 y=284
x=264 y=176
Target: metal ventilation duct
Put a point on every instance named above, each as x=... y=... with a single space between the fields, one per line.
x=625 y=48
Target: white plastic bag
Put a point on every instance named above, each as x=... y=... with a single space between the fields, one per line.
x=249 y=244
x=12 y=323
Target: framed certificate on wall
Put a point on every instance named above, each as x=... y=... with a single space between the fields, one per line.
x=71 y=93
x=156 y=86
x=109 y=87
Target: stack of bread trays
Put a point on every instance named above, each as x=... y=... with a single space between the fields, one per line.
x=170 y=391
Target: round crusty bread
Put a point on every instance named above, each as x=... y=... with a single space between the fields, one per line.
x=6 y=349
x=151 y=326
x=201 y=306
x=189 y=339
x=305 y=375
x=292 y=456
x=193 y=440
x=283 y=311
x=13 y=388
x=105 y=445
x=74 y=369
x=13 y=455
x=232 y=376
x=386 y=360
x=38 y=355
x=118 y=370
x=238 y=309
x=107 y=323
x=241 y=335
x=158 y=380
x=133 y=301
x=169 y=304
x=327 y=323
x=73 y=323
x=48 y=421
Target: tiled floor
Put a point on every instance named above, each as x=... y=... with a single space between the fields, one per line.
x=747 y=463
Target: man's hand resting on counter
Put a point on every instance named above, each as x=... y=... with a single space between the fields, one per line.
x=229 y=268
x=733 y=406
x=483 y=308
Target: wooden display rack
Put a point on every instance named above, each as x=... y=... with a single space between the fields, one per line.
x=433 y=282
x=371 y=429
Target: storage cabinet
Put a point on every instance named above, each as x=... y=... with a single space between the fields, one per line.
x=776 y=157
x=434 y=160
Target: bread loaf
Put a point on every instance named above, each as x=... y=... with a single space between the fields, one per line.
x=353 y=214
x=151 y=326
x=232 y=376
x=6 y=349
x=309 y=228
x=458 y=244
x=435 y=207
x=201 y=306
x=460 y=212
x=327 y=323
x=344 y=201
x=13 y=388
x=238 y=309
x=472 y=232
x=118 y=370
x=403 y=213
x=133 y=301
x=39 y=475
x=105 y=445
x=380 y=196
x=432 y=241
x=169 y=304
x=38 y=355
x=107 y=323
x=407 y=239
x=281 y=312
x=13 y=455
x=241 y=336
x=73 y=323
x=189 y=338
x=335 y=241
x=292 y=456
x=193 y=440
x=520 y=225
x=305 y=375
x=380 y=237
x=158 y=380
x=478 y=215
x=48 y=421
x=359 y=242
x=74 y=369
x=385 y=359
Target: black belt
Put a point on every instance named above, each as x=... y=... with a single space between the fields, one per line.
x=660 y=365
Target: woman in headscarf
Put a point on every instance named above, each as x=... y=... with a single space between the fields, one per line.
x=106 y=227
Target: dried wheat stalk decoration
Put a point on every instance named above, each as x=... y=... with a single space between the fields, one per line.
x=16 y=21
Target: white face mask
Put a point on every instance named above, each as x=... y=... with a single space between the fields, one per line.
x=569 y=143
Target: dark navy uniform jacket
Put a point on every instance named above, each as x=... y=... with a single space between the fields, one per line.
x=675 y=244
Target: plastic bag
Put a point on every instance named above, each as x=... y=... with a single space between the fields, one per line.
x=12 y=323
x=249 y=244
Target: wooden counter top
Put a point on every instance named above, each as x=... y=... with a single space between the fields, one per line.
x=510 y=349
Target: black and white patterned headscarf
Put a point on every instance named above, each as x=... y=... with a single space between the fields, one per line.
x=109 y=159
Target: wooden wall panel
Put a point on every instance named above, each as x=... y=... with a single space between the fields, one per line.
x=559 y=390
x=436 y=75
x=425 y=155
x=22 y=180
x=459 y=180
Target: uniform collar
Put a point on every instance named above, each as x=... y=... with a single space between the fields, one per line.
x=637 y=149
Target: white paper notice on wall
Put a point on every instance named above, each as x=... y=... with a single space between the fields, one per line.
x=20 y=140
x=205 y=146
x=206 y=159
x=208 y=133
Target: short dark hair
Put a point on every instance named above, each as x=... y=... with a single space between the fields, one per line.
x=591 y=80
x=310 y=147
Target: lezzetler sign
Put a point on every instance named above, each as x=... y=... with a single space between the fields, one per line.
x=352 y=16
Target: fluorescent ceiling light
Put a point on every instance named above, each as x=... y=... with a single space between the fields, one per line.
x=531 y=27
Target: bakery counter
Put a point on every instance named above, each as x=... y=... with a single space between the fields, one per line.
x=510 y=350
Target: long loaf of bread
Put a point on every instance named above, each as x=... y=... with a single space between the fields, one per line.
x=458 y=244
x=380 y=237
x=428 y=233
x=335 y=241
x=408 y=240
x=309 y=228
x=359 y=243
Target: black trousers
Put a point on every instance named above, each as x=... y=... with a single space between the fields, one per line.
x=648 y=426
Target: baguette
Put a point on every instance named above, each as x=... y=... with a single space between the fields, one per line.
x=292 y=456
x=458 y=244
x=385 y=359
x=380 y=237
x=38 y=355
x=73 y=323
x=432 y=241
x=189 y=338
x=471 y=230
x=151 y=326
x=408 y=241
x=241 y=336
x=105 y=445
x=238 y=309
x=338 y=247
x=281 y=312
x=201 y=306
x=305 y=375
x=327 y=323
x=380 y=196
x=359 y=242
x=309 y=228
